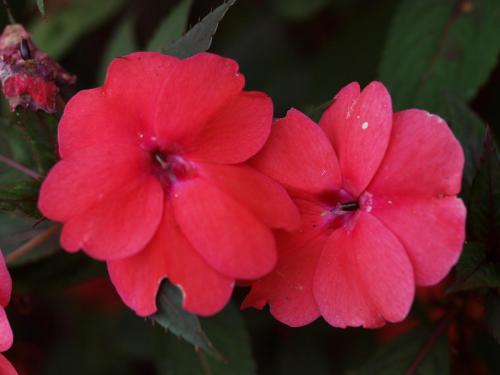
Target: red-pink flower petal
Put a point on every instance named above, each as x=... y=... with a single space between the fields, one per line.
x=109 y=200
x=423 y=158
x=359 y=127
x=431 y=230
x=118 y=227
x=5 y=283
x=6 y=337
x=6 y=367
x=264 y=197
x=90 y=178
x=289 y=287
x=196 y=89
x=227 y=235
x=364 y=276
x=120 y=112
x=169 y=254
x=234 y=133
x=299 y=155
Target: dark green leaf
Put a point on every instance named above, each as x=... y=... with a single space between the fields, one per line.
x=470 y=131
x=22 y=196
x=474 y=270
x=493 y=315
x=174 y=318
x=121 y=43
x=199 y=38
x=436 y=47
x=171 y=27
x=41 y=6
x=57 y=33
x=484 y=201
x=398 y=355
x=227 y=330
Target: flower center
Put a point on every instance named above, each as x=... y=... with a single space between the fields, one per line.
x=170 y=168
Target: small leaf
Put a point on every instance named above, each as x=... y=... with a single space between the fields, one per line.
x=436 y=47
x=199 y=38
x=41 y=6
x=493 y=315
x=398 y=355
x=171 y=27
x=22 y=196
x=121 y=43
x=56 y=34
x=181 y=323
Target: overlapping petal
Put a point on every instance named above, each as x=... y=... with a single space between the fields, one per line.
x=5 y=367
x=169 y=254
x=5 y=283
x=226 y=234
x=299 y=155
x=193 y=92
x=432 y=231
x=235 y=132
x=423 y=158
x=364 y=276
x=264 y=197
x=289 y=288
x=359 y=127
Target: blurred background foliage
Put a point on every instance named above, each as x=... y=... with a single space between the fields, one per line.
x=440 y=55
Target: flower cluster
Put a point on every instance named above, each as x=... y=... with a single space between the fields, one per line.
x=171 y=170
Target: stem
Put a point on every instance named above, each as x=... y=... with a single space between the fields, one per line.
x=20 y=168
x=204 y=363
x=431 y=342
x=9 y=13
x=32 y=244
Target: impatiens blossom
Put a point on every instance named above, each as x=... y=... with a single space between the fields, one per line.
x=153 y=181
x=377 y=192
x=6 y=336
x=30 y=78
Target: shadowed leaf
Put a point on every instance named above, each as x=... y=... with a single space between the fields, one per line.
x=199 y=37
x=181 y=323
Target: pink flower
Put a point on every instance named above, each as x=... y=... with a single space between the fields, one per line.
x=377 y=192
x=6 y=336
x=153 y=181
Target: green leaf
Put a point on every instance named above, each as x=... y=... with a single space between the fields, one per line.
x=41 y=6
x=121 y=43
x=474 y=270
x=439 y=47
x=171 y=27
x=298 y=9
x=484 y=201
x=181 y=323
x=57 y=33
x=470 y=131
x=199 y=38
x=398 y=355
x=493 y=315
x=22 y=196
x=227 y=330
